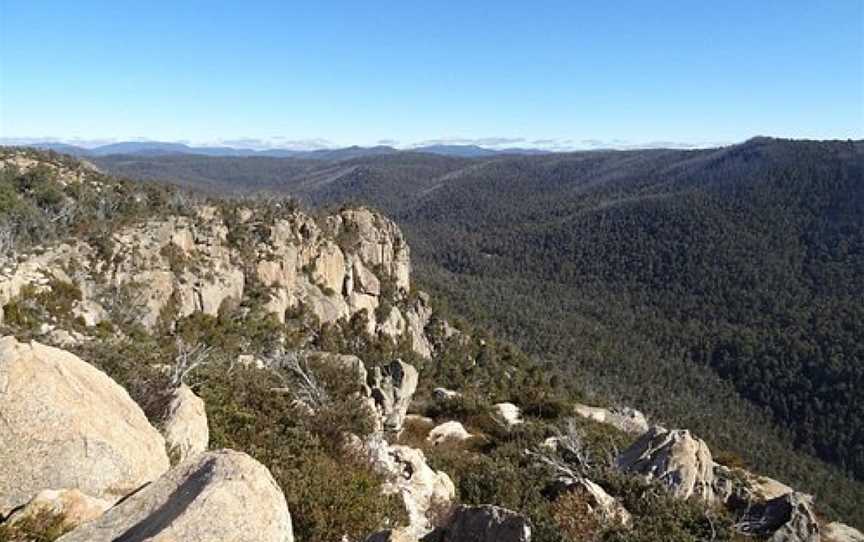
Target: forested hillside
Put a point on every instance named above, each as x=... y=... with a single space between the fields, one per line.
x=722 y=289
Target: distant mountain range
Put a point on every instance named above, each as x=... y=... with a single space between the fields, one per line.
x=158 y=148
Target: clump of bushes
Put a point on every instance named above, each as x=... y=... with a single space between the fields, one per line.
x=41 y=527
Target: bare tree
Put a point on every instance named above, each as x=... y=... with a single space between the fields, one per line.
x=189 y=358
x=571 y=456
x=304 y=384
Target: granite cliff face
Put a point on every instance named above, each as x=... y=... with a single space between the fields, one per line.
x=338 y=266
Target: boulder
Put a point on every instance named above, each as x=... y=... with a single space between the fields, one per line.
x=738 y=488
x=448 y=431
x=788 y=518
x=484 y=523
x=839 y=532
x=68 y=425
x=328 y=308
x=392 y=387
x=364 y=280
x=221 y=495
x=73 y=506
x=507 y=413
x=625 y=419
x=674 y=458
x=423 y=490
x=443 y=394
x=393 y=325
x=185 y=426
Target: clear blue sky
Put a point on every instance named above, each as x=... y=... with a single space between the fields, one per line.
x=364 y=72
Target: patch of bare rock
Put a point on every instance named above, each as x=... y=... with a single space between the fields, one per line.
x=65 y=424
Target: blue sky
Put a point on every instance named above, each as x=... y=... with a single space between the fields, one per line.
x=563 y=74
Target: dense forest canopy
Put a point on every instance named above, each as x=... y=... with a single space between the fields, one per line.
x=718 y=289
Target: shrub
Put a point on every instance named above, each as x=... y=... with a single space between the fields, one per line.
x=575 y=519
x=42 y=527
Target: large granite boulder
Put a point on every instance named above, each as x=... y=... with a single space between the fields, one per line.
x=392 y=387
x=675 y=458
x=625 y=419
x=185 y=426
x=484 y=523
x=507 y=414
x=67 y=425
x=788 y=518
x=839 y=532
x=451 y=431
x=221 y=495
x=423 y=490
x=739 y=488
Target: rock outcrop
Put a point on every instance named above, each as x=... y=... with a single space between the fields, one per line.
x=67 y=425
x=674 y=458
x=422 y=488
x=448 y=431
x=507 y=414
x=485 y=523
x=185 y=426
x=839 y=532
x=178 y=265
x=788 y=518
x=625 y=419
x=392 y=387
x=738 y=488
x=220 y=495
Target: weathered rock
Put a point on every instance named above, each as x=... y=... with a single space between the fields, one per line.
x=329 y=267
x=50 y=438
x=443 y=394
x=63 y=338
x=221 y=495
x=507 y=413
x=788 y=518
x=90 y=312
x=364 y=280
x=738 y=488
x=407 y=474
x=839 y=532
x=378 y=242
x=625 y=419
x=675 y=458
x=392 y=387
x=417 y=317
x=328 y=308
x=448 y=431
x=485 y=523
x=185 y=426
x=393 y=325
x=74 y=507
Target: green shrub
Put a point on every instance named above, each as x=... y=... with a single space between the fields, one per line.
x=42 y=527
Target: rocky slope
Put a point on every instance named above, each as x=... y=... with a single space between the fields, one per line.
x=246 y=371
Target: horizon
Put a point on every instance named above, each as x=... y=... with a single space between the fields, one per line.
x=46 y=143
x=558 y=78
